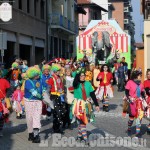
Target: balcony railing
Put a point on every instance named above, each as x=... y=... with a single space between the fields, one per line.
x=59 y=20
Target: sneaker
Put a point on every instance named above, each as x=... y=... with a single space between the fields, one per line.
x=106 y=109
x=36 y=139
x=128 y=131
x=137 y=136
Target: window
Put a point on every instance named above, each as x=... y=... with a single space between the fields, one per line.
x=55 y=47
x=95 y=16
x=42 y=9
x=28 y=6
x=20 y=4
x=35 y=7
x=11 y=2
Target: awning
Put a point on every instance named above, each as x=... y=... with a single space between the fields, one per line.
x=11 y=37
x=39 y=43
x=26 y=40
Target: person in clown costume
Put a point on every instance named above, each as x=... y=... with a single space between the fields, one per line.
x=58 y=98
x=82 y=106
x=46 y=112
x=104 y=91
x=15 y=74
x=147 y=90
x=33 y=103
x=4 y=113
x=17 y=98
x=135 y=95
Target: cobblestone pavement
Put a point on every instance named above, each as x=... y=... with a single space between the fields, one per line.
x=110 y=126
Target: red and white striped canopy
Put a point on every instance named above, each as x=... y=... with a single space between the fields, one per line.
x=119 y=42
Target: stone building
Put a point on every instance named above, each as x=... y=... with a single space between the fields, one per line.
x=26 y=32
x=63 y=27
x=41 y=28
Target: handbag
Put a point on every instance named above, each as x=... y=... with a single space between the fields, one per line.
x=125 y=106
x=47 y=100
x=69 y=97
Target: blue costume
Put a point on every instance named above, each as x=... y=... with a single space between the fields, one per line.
x=44 y=80
x=33 y=89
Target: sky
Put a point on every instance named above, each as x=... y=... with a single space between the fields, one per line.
x=138 y=20
x=137 y=17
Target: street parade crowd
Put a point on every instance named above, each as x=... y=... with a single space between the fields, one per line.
x=70 y=91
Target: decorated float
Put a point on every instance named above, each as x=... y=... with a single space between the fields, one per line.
x=103 y=42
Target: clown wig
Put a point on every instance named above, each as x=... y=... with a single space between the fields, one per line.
x=46 y=67
x=55 y=67
x=15 y=65
x=33 y=72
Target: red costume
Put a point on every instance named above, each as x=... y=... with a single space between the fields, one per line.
x=56 y=83
x=101 y=76
x=147 y=85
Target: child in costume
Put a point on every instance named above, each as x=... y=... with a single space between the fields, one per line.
x=96 y=71
x=82 y=108
x=147 y=89
x=89 y=72
x=15 y=75
x=104 y=91
x=33 y=103
x=46 y=111
x=24 y=78
x=17 y=99
x=58 y=98
x=134 y=91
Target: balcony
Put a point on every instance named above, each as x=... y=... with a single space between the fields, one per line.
x=61 y=22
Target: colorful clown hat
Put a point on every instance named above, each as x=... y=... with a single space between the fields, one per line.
x=15 y=65
x=55 y=67
x=33 y=72
x=46 y=67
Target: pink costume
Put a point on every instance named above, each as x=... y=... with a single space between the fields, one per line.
x=17 y=97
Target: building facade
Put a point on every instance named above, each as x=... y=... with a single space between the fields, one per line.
x=124 y=19
x=63 y=27
x=93 y=12
x=26 y=32
x=145 y=10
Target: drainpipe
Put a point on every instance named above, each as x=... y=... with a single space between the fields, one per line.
x=47 y=31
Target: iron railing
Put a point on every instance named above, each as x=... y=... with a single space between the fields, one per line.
x=60 y=20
